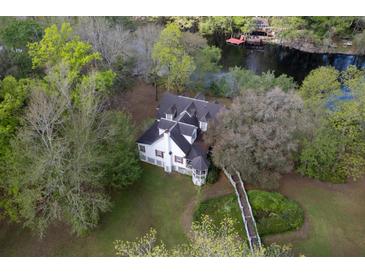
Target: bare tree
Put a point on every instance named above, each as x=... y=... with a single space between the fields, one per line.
x=143 y=40
x=110 y=41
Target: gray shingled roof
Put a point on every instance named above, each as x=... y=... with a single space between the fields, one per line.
x=171 y=110
x=205 y=117
x=150 y=135
x=191 y=120
x=182 y=102
x=187 y=129
x=195 y=151
x=180 y=140
x=200 y=163
x=166 y=124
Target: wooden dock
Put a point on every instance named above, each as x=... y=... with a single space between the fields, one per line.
x=246 y=210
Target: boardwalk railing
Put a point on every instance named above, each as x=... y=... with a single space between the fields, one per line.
x=246 y=210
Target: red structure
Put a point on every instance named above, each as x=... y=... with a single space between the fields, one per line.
x=235 y=41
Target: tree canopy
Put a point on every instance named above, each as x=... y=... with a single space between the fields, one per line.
x=257 y=136
x=320 y=85
x=335 y=151
x=62 y=45
x=172 y=59
x=68 y=149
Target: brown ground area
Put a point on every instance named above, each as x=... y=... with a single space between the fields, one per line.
x=139 y=102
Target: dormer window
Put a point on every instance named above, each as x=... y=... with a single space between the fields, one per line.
x=203 y=125
x=169 y=116
x=193 y=136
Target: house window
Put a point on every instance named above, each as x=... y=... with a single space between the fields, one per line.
x=159 y=153
x=193 y=137
x=169 y=116
x=142 y=148
x=179 y=159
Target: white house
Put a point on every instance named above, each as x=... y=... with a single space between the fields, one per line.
x=174 y=140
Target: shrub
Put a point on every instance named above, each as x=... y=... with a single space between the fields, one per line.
x=273 y=212
x=213 y=174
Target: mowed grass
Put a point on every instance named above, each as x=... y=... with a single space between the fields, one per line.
x=157 y=200
x=335 y=218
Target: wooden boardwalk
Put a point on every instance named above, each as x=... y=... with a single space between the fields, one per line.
x=246 y=211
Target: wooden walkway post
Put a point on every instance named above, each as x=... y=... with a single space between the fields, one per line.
x=246 y=210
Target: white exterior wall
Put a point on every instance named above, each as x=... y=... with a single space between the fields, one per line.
x=168 y=160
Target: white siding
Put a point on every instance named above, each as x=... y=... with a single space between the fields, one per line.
x=161 y=145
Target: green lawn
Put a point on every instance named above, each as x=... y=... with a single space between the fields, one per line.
x=335 y=222
x=157 y=200
x=335 y=218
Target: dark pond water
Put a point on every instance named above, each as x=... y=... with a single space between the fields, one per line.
x=280 y=59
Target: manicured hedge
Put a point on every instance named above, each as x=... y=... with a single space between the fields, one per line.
x=274 y=213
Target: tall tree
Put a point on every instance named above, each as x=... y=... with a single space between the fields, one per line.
x=57 y=174
x=121 y=164
x=171 y=58
x=65 y=154
x=59 y=45
x=13 y=95
x=258 y=136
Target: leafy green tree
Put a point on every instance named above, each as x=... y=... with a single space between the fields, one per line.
x=244 y=24
x=172 y=59
x=353 y=77
x=13 y=95
x=15 y=36
x=121 y=166
x=218 y=25
x=207 y=61
x=62 y=45
x=337 y=151
x=186 y=22
x=258 y=136
x=319 y=158
x=18 y=33
x=206 y=240
x=336 y=25
x=320 y=85
x=315 y=30
x=288 y=26
x=222 y=26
